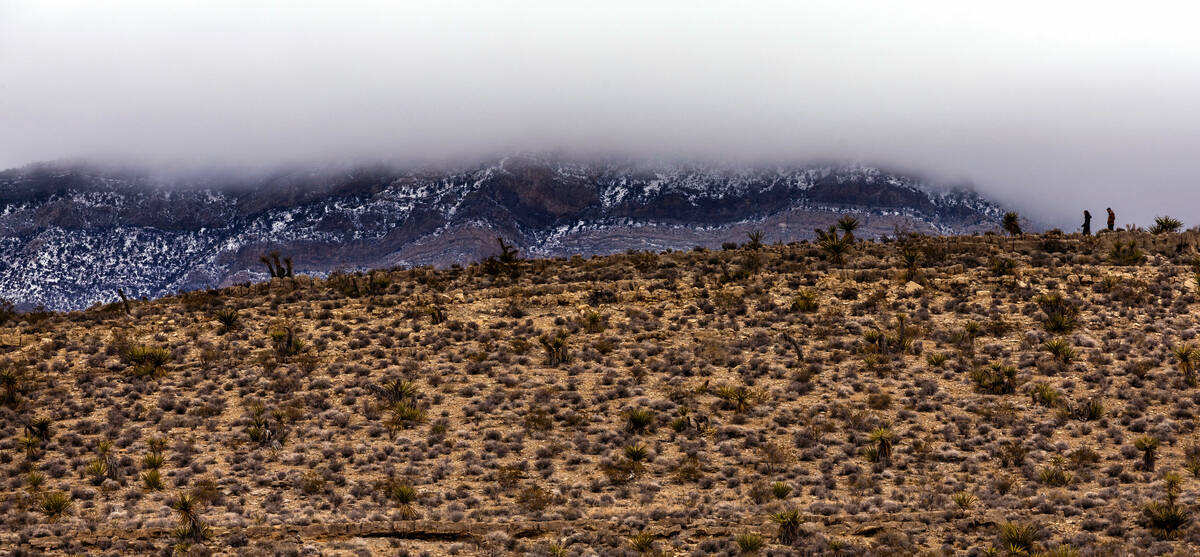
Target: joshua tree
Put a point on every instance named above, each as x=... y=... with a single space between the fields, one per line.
x=1147 y=445
x=834 y=245
x=848 y=224
x=1186 y=355
x=1012 y=225
x=508 y=254
x=883 y=438
x=503 y=263
x=910 y=256
x=124 y=300
x=556 y=348
x=275 y=267
x=755 y=240
x=187 y=511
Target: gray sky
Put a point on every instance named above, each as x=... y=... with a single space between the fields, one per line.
x=1050 y=106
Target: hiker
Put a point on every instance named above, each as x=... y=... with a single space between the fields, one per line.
x=1112 y=219
x=1087 y=223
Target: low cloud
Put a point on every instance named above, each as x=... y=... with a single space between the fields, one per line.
x=1049 y=108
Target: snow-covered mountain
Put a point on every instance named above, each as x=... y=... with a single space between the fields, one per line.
x=71 y=235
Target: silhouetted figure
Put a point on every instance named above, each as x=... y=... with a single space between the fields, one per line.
x=1112 y=219
x=1087 y=223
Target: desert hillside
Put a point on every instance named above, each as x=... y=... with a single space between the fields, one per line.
x=922 y=395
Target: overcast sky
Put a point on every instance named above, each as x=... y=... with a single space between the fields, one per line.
x=1051 y=106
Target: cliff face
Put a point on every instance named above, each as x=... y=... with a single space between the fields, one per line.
x=70 y=236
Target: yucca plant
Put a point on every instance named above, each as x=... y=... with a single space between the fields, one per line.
x=781 y=490
x=12 y=380
x=639 y=420
x=55 y=504
x=1126 y=253
x=750 y=543
x=805 y=301
x=836 y=246
x=848 y=225
x=884 y=439
x=97 y=470
x=32 y=446
x=1054 y=474
x=755 y=238
x=936 y=359
x=1186 y=357
x=1004 y=267
x=997 y=379
x=153 y=461
x=403 y=415
x=285 y=341
x=963 y=500
x=790 y=528
x=556 y=348
x=1019 y=536
x=910 y=260
x=636 y=452
x=148 y=362
x=1148 y=445
x=394 y=391
x=1060 y=551
x=1045 y=395
x=40 y=427
x=228 y=319
x=741 y=398
x=1168 y=518
x=401 y=492
x=643 y=542
x=1166 y=225
x=34 y=480
x=1061 y=313
x=593 y=322
x=1060 y=350
x=152 y=480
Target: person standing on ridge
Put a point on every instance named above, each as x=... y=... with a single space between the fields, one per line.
x=1112 y=219
x=1087 y=223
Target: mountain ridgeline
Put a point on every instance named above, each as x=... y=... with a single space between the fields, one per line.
x=72 y=236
